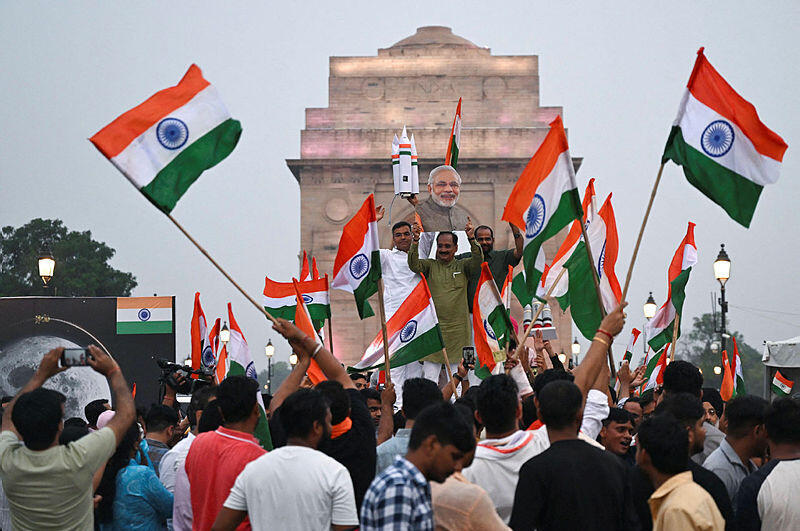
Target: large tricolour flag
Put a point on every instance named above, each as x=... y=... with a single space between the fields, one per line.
x=491 y=324
x=659 y=328
x=451 y=157
x=413 y=332
x=544 y=199
x=303 y=321
x=725 y=150
x=202 y=353
x=280 y=299
x=357 y=267
x=241 y=362
x=164 y=144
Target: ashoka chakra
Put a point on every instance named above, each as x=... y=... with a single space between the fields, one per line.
x=717 y=138
x=359 y=266
x=408 y=332
x=172 y=133
x=535 y=219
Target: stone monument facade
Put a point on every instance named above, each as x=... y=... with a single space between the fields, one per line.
x=346 y=147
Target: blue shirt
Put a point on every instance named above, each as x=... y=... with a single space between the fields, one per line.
x=141 y=502
x=388 y=451
x=398 y=498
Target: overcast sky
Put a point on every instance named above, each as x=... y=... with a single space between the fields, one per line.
x=618 y=69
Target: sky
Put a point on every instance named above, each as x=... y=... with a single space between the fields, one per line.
x=618 y=70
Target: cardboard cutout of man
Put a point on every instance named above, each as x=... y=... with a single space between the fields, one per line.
x=439 y=212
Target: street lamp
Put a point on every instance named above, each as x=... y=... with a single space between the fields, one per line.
x=269 y=351
x=650 y=307
x=292 y=359
x=225 y=334
x=722 y=272
x=188 y=362
x=717 y=370
x=47 y=265
x=714 y=347
x=576 y=349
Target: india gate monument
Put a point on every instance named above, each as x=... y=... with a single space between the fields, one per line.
x=345 y=149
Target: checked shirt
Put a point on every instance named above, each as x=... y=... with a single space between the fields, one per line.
x=398 y=498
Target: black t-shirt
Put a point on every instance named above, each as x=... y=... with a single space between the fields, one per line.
x=572 y=485
x=356 y=448
x=642 y=489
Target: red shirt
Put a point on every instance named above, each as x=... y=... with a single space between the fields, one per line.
x=214 y=461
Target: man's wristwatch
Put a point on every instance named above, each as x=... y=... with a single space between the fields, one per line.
x=458 y=377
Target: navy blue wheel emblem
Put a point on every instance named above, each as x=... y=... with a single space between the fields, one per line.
x=717 y=138
x=144 y=314
x=535 y=219
x=172 y=133
x=601 y=261
x=409 y=331
x=250 y=371
x=308 y=299
x=489 y=331
x=208 y=357
x=359 y=266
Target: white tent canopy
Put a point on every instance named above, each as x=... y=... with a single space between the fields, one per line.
x=782 y=354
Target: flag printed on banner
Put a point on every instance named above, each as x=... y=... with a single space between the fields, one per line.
x=544 y=199
x=726 y=388
x=654 y=373
x=413 y=332
x=241 y=362
x=164 y=144
x=659 y=328
x=781 y=385
x=737 y=371
x=357 y=266
x=280 y=298
x=491 y=325
x=725 y=150
x=628 y=354
x=451 y=157
x=144 y=315
x=303 y=321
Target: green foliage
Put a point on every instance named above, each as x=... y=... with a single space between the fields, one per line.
x=280 y=370
x=696 y=347
x=82 y=268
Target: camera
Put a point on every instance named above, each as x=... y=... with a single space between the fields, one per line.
x=179 y=377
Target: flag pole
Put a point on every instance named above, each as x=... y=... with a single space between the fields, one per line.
x=641 y=231
x=449 y=372
x=219 y=268
x=674 y=336
x=384 y=332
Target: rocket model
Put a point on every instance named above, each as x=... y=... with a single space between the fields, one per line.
x=405 y=169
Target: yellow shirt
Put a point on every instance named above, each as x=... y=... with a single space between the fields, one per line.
x=680 y=503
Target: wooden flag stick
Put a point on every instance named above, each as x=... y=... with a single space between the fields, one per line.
x=674 y=337
x=449 y=373
x=384 y=332
x=219 y=268
x=641 y=231
x=527 y=334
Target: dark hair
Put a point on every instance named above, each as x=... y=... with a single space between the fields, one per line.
x=211 y=419
x=467 y=414
x=370 y=394
x=685 y=407
x=108 y=483
x=550 y=375
x=782 y=421
x=529 y=415
x=646 y=398
x=464 y=402
x=93 y=409
x=75 y=422
x=400 y=224
x=667 y=443
x=632 y=400
x=358 y=376
x=483 y=227
x=160 y=417
x=419 y=393
x=682 y=377
x=620 y=416
x=443 y=421
x=72 y=433
x=497 y=403
x=37 y=415
x=266 y=400
x=200 y=399
x=743 y=414
x=451 y=233
x=236 y=398
x=338 y=400
x=301 y=409
x=713 y=397
x=6 y=399
x=559 y=404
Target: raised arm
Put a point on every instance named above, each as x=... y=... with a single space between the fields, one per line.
x=124 y=407
x=476 y=253
x=47 y=368
x=416 y=264
x=519 y=241
x=292 y=382
x=386 y=424
x=586 y=373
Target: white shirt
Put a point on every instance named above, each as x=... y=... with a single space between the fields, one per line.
x=173 y=459
x=398 y=279
x=294 y=487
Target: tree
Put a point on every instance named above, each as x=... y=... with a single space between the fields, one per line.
x=696 y=347
x=82 y=268
x=280 y=370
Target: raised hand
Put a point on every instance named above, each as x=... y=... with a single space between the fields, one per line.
x=624 y=373
x=379 y=212
x=413 y=199
x=100 y=361
x=469 y=229
x=638 y=376
x=49 y=365
x=614 y=321
x=416 y=230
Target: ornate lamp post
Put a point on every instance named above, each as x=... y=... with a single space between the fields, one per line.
x=576 y=350
x=650 y=307
x=292 y=359
x=269 y=351
x=722 y=272
x=47 y=265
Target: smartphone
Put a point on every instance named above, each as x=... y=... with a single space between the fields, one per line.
x=74 y=357
x=468 y=354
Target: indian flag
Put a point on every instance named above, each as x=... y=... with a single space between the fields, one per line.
x=451 y=158
x=491 y=324
x=357 y=266
x=303 y=321
x=737 y=371
x=305 y=273
x=519 y=285
x=505 y=293
x=544 y=199
x=280 y=298
x=164 y=144
x=240 y=361
x=413 y=332
x=604 y=233
x=659 y=328
x=725 y=150
x=781 y=385
x=726 y=388
x=628 y=354
x=655 y=369
x=144 y=315
x=202 y=353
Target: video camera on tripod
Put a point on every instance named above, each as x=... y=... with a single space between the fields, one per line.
x=179 y=377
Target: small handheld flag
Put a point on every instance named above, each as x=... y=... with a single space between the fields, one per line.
x=451 y=157
x=781 y=385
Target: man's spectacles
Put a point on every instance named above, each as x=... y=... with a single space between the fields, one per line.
x=442 y=184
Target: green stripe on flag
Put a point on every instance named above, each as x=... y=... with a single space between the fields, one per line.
x=206 y=152
x=262 y=428
x=368 y=287
x=144 y=327
x=520 y=290
x=584 y=304
x=284 y=312
x=737 y=195
x=454 y=153
x=423 y=345
x=678 y=295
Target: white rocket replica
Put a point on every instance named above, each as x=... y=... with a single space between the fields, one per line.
x=404 y=165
